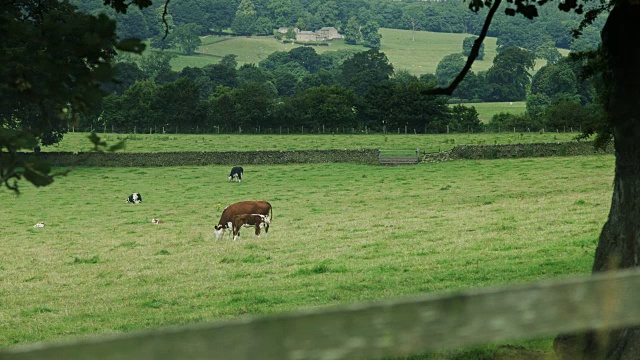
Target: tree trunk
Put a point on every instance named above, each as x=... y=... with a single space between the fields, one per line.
x=619 y=242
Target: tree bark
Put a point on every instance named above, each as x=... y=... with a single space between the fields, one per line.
x=619 y=242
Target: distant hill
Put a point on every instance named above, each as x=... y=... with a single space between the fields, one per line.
x=418 y=57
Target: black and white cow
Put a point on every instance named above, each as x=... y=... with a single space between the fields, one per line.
x=134 y=198
x=236 y=172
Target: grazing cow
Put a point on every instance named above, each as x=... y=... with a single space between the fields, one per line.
x=157 y=221
x=256 y=220
x=243 y=207
x=236 y=172
x=134 y=198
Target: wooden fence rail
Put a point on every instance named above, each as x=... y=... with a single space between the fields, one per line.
x=385 y=328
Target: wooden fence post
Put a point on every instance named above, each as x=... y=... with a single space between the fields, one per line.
x=385 y=328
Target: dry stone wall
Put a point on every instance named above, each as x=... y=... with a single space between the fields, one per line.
x=362 y=156
x=517 y=151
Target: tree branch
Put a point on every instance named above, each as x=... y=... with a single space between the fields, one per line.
x=164 y=20
x=475 y=50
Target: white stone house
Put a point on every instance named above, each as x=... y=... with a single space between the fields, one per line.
x=324 y=34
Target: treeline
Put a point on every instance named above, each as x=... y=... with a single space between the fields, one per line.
x=559 y=99
x=337 y=91
x=340 y=91
x=189 y=19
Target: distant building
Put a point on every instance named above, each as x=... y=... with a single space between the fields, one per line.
x=324 y=34
x=306 y=36
x=284 y=30
x=328 y=33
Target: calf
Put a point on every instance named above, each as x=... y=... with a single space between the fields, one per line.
x=134 y=198
x=256 y=220
x=236 y=172
x=239 y=208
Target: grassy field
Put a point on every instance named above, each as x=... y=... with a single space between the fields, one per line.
x=341 y=233
x=76 y=141
x=488 y=109
x=423 y=55
x=418 y=57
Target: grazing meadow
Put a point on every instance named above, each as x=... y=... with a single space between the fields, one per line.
x=341 y=233
x=418 y=53
x=78 y=142
x=487 y=110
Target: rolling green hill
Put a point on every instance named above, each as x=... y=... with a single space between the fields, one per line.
x=418 y=57
x=488 y=109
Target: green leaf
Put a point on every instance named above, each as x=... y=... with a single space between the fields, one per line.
x=131 y=45
x=118 y=146
x=37 y=172
x=95 y=140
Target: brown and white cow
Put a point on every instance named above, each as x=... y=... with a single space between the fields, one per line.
x=257 y=221
x=240 y=208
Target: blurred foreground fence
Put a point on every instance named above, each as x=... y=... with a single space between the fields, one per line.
x=386 y=328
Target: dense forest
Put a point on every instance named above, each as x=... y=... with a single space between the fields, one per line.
x=261 y=17
x=340 y=91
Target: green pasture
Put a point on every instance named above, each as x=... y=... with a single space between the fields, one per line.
x=78 y=142
x=418 y=57
x=341 y=233
x=421 y=55
x=488 y=109
x=253 y=49
x=418 y=53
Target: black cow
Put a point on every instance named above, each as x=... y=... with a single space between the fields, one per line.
x=236 y=172
x=134 y=198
